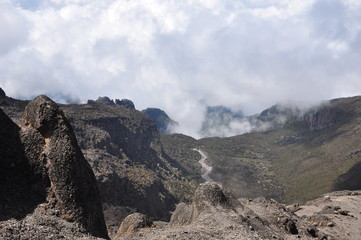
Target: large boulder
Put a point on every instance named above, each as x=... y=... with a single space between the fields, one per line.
x=207 y=197
x=43 y=193
x=133 y=223
x=53 y=151
x=210 y=193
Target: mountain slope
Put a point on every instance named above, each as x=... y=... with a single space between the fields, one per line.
x=297 y=162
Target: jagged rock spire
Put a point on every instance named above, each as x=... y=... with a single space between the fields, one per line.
x=74 y=191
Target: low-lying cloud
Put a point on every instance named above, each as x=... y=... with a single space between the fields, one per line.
x=182 y=56
x=220 y=121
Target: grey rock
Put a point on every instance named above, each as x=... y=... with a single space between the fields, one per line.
x=290 y=226
x=91 y=102
x=125 y=103
x=210 y=193
x=105 y=100
x=330 y=224
x=74 y=191
x=214 y=214
x=47 y=189
x=182 y=215
x=324 y=118
x=207 y=197
x=133 y=223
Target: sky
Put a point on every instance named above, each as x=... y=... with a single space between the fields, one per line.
x=182 y=56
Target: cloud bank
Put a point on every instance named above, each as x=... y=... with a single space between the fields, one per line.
x=182 y=56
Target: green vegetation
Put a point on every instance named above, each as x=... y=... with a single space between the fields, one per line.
x=297 y=162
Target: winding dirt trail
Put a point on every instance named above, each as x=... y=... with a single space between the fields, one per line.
x=206 y=169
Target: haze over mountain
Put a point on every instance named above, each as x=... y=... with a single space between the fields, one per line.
x=241 y=84
x=220 y=121
x=181 y=56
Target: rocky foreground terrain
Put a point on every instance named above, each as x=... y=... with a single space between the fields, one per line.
x=214 y=214
x=76 y=171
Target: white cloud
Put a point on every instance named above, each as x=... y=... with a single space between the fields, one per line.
x=12 y=28
x=182 y=55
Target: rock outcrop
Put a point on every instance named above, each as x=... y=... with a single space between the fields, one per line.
x=163 y=121
x=207 y=196
x=125 y=103
x=46 y=173
x=133 y=223
x=105 y=100
x=73 y=190
x=324 y=118
x=2 y=93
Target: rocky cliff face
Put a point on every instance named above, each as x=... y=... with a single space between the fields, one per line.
x=46 y=176
x=324 y=118
x=123 y=147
